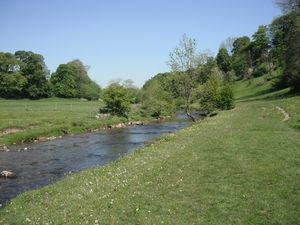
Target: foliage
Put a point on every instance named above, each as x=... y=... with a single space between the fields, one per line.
x=289 y=5
x=34 y=69
x=226 y=98
x=286 y=48
x=23 y=74
x=72 y=81
x=12 y=85
x=116 y=100
x=203 y=72
x=64 y=83
x=12 y=82
x=223 y=60
x=241 y=57
x=228 y=44
x=261 y=69
x=260 y=46
x=183 y=60
x=156 y=101
x=216 y=93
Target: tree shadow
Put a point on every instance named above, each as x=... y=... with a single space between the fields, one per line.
x=268 y=94
x=256 y=94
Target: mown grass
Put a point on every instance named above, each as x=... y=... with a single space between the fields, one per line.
x=240 y=167
x=49 y=117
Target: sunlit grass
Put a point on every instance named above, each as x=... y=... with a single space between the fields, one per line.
x=240 y=167
x=48 y=117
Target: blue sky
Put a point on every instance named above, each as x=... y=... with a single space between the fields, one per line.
x=127 y=39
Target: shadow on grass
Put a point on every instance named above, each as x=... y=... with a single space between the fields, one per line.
x=268 y=94
x=256 y=94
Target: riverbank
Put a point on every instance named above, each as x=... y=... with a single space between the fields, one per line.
x=240 y=167
x=47 y=119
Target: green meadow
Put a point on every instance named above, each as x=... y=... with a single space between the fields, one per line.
x=239 y=167
x=34 y=119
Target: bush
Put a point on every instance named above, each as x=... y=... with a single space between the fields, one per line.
x=116 y=100
x=261 y=70
x=225 y=100
x=216 y=93
x=157 y=102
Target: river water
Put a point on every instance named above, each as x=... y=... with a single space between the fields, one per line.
x=46 y=162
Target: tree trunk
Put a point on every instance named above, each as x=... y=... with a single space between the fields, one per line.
x=187 y=112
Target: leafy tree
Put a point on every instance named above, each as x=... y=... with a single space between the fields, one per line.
x=203 y=72
x=12 y=83
x=240 y=45
x=156 y=101
x=228 y=44
x=64 y=82
x=134 y=93
x=91 y=90
x=216 y=93
x=288 y=6
x=285 y=32
x=183 y=60
x=116 y=100
x=34 y=69
x=72 y=81
x=260 y=45
x=223 y=60
x=241 y=57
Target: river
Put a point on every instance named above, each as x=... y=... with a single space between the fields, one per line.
x=46 y=162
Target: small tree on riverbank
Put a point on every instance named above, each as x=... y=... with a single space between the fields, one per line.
x=183 y=61
x=116 y=100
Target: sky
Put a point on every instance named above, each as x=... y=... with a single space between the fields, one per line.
x=126 y=39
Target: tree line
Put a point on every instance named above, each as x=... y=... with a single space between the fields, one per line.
x=273 y=50
x=24 y=74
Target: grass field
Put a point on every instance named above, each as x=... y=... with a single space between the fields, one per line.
x=48 y=117
x=240 y=167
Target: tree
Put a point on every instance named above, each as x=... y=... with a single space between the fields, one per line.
x=116 y=100
x=157 y=102
x=183 y=60
x=203 y=72
x=241 y=57
x=72 y=81
x=228 y=44
x=216 y=93
x=34 y=69
x=240 y=44
x=288 y=6
x=64 y=82
x=260 y=45
x=223 y=60
x=12 y=82
x=285 y=32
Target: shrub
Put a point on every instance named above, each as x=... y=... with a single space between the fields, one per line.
x=116 y=100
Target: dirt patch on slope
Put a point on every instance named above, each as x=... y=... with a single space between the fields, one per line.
x=10 y=131
x=286 y=116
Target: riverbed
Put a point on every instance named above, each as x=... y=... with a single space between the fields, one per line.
x=39 y=164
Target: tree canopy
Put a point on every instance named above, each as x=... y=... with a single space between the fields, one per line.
x=72 y=81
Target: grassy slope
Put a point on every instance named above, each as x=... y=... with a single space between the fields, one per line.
x=241 y=167
x=48 y=117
